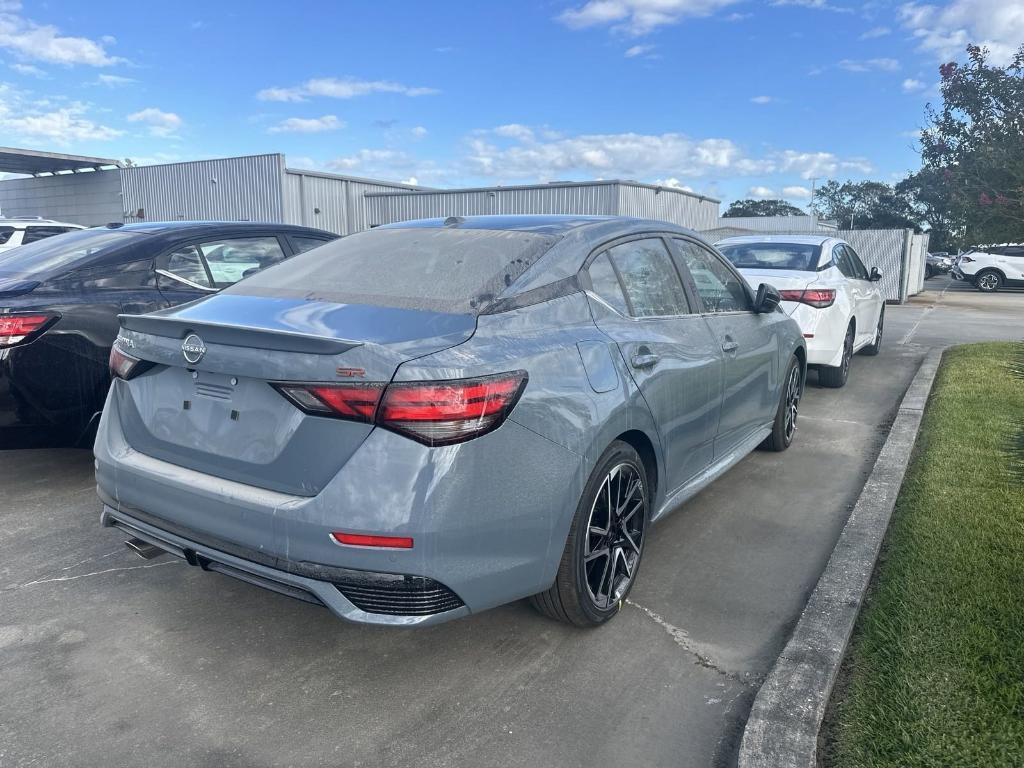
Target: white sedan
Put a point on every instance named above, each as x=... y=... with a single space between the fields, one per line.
x=825 y=287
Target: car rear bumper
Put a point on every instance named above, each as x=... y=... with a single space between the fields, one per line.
x=488 y=518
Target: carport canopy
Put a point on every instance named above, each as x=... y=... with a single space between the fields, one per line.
x=35 y=163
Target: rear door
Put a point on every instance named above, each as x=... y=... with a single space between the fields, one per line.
x=748 y=342
x=1012 y=261
x=668 y=348
x=867 y=298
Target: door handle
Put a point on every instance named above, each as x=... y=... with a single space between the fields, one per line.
x=730 y=346
x=645 y=360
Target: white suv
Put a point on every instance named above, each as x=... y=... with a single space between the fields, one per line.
x=991 y=267
x=25 y=230
x=825 y=287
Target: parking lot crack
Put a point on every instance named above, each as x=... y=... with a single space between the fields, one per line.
x=682 y=639
x=37 y=582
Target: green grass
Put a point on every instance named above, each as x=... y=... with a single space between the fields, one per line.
x=935 y=672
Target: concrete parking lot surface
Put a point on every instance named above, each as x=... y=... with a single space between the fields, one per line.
x=106 y=659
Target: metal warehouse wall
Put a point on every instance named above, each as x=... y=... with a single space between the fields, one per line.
x=666 y=204
x=781 y=224
x=89 y=198
x=230 y=189
x=332 y=202
x=609 y=198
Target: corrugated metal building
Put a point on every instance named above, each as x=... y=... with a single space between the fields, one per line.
x=607 y=198
x=788 y=224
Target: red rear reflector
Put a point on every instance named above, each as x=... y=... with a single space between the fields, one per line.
x=124 y=366
x=16 y=329
x=361 y=540
x=355 y=402
x=814 y=297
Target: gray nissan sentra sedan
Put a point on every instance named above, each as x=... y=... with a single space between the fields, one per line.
x=436 y=417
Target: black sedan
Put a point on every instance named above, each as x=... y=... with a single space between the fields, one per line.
x=60 y=298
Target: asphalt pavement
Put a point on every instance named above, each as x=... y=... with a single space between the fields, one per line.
x=109 y=660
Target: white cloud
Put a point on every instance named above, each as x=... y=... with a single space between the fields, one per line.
x=638 y=50
x=876 y=32
x=340 y=88
x=817 y=5
x=308 y=125
x=638 y=17
x=762 y=99
x=160 y=123
x=869 y=65
x=43 y=42
x=114 y=81
x=798 y=192
x=674 y=183
x=28 y=69
x=761 y=192
x=910 y=85
x=738 y=16
x=513 y=131
x=60 y=126
x=419 y=132
x=945 y=31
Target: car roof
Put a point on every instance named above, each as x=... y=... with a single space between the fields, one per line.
x=797 y=239
x=544 y=224
x=199 y=227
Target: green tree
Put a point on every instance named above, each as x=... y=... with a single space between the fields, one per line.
x=865 y=205
x=931 y=198
x=762 y=208
x=976 y=144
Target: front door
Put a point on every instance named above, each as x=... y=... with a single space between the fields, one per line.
x=748 y=341
x=666 y=345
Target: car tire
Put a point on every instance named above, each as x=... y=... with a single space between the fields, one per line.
x=835 y=377
x=875 y=346
x=784 y=426
x=988 y=281
x=591 y=587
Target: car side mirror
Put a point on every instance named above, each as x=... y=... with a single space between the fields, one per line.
x=875 y=275
x=767 y=299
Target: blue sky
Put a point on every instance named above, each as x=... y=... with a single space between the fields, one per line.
x=732 y=98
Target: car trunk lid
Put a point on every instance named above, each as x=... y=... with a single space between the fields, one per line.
x=208 y=403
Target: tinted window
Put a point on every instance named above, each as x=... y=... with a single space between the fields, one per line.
x=842 y=260
x=606 y=283
x=1014 y=250
x=302 y=244
x=58 y=253
x=649 y=278
x=231 y=259
x=5 y=234
x=440 y=269
x=796 y=256
x=34 y=234
x=719 y=287
x=858 y=266
x=188 y=264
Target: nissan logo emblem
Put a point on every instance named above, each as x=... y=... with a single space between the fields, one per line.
x=193 y=348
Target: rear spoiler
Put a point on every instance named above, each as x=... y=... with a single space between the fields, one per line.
x=237 y=335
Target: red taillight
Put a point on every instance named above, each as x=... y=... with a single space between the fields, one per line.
x=362 y=540
x=431 y=412
x=22 y=328
x=124 y=366
x=814 y=297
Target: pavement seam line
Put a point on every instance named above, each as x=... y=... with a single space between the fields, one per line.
x=786 y=716
x=682 y=639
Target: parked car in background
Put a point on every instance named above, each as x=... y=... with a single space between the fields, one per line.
x=23 y=230
x=60 y=298
x=433 y=418
x=825 y=287
x=991 y=267
x=937 y=264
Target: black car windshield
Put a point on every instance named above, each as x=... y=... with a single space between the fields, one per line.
x=440 y=270
x=61 y=252
x=801 y=257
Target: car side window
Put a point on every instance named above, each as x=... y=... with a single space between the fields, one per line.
x=649 y=278
x=1014 y=251
x=858 y=266
x=231 y=259
x=301 y=244
x=187 y=263
x=5 y=234
x=34 y=234
x=718 y=286
x=606 y=283
x=842 y=260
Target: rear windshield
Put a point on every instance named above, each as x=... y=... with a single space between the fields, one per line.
x=798 y=256
x=441 y=270
x=61 y=252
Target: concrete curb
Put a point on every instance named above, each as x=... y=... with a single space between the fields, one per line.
x=782 y=730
